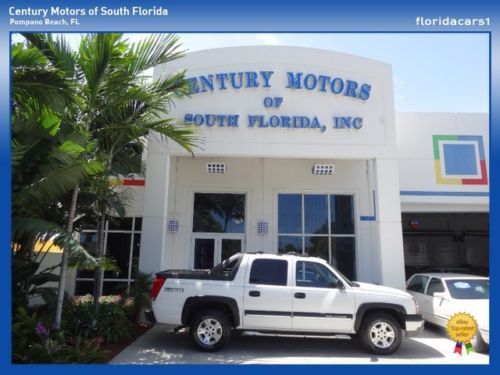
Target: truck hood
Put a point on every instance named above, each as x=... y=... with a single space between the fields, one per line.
x=379 y=289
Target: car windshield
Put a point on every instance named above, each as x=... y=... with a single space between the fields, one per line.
x=469 y=288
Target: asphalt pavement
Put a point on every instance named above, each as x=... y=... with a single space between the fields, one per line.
x=161 y=346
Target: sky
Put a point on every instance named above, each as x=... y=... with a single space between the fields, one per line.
x=433 y=72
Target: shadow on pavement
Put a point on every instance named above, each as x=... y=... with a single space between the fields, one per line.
x=159 y=346
x=431 y=330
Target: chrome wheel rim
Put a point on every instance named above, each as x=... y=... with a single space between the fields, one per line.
x=209 y=331
x=382 y=335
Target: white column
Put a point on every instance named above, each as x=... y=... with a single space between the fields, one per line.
x=154 y=220
x=388 y=235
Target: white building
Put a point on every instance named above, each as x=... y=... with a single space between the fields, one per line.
x=303 y=151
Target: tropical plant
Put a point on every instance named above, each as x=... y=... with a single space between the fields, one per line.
x=106 y=106
x=82 y=350
x=139 y=290
x=32 y=341
x=120 y=107
x=47 y=163
x=112 y=322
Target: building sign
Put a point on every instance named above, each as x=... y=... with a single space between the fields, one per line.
x=459 y=160
x=308 y=82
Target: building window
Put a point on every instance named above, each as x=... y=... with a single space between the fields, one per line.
x=219 y=213
x=122 y=241
x=320 y=225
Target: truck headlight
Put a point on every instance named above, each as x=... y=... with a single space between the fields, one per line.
x=417 y=308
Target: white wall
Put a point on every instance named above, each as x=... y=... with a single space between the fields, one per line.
x=261 y=179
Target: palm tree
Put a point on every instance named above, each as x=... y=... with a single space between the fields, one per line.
x=116 y=107
x=46 y=162
x=122 y=108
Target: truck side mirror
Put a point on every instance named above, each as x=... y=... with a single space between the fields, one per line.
x=337 y=284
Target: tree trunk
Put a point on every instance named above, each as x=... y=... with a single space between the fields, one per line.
x=64 y=261
x=98 y=273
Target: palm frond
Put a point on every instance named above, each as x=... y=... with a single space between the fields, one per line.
x=39 y=88
x=18 y=151
x=55 y=181
x=167 y=89
x=128 y=159
x=95 y=57
x=154 y=50
x=57 y=51
x=27 y=58
x=36 y=82
x=43 y=231
x=181 y=133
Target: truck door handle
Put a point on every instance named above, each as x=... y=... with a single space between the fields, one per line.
x=254 y=293
x=300 y=295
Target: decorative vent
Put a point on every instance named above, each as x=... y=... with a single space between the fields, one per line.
x=323 y=169
x=262 y=228
x=217 y=168
x=173 y=226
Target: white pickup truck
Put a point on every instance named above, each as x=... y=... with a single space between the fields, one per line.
x=281 y=295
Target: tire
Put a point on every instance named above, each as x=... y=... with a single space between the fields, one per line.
x=210 y=330
x=380 y=334
x=479 y=345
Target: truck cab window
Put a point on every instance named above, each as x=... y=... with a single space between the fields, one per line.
x=315 y=275
x=269 y=272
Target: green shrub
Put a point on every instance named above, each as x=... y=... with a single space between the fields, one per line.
x=82 y=333
x=139 y=290
x=34 y=342
x=78 y=316
x=113 y=322
x=82 y=350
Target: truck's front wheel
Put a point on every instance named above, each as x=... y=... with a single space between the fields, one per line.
x=210 y=330
x=380 y=333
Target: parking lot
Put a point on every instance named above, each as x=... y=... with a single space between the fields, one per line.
x=161 y=346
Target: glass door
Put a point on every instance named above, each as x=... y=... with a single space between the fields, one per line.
x=230 y=246
x=204 y=253
x=211 y=249
x=218 y=227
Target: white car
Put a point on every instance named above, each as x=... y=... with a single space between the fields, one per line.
x=440 y=295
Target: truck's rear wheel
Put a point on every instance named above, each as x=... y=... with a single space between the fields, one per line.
x=210 y=330
x=380 y=333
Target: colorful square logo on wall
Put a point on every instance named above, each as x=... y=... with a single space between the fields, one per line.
x=459 y=160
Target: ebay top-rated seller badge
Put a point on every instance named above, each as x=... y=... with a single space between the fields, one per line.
x=462 y=327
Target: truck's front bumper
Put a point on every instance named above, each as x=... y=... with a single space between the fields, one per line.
x=414 y=325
